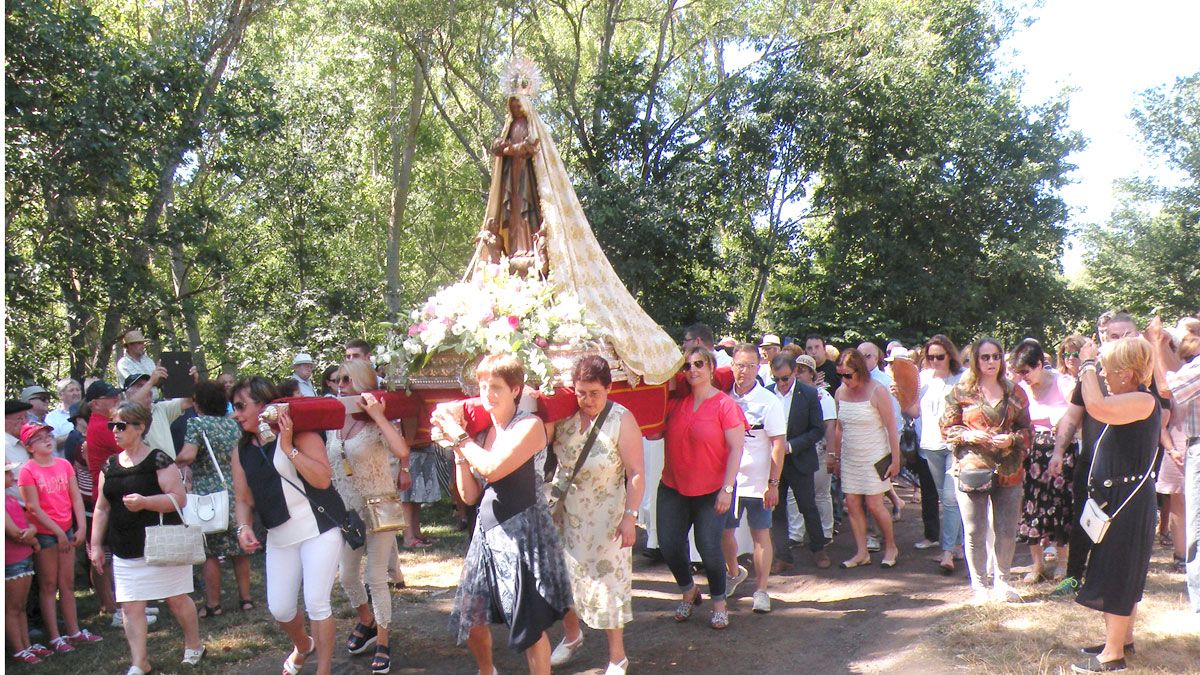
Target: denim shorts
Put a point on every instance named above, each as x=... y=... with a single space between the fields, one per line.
x=757 y=515
x=49 y=541
x=21 y=568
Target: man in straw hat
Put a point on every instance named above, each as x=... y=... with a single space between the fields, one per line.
x=135 y=359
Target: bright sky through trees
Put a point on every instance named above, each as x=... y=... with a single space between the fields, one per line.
x=1108 y=52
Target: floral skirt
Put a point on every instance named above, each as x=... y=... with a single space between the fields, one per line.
x=1046 y=513
x=514 y=574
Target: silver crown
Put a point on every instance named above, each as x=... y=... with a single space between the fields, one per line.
x=521 y=77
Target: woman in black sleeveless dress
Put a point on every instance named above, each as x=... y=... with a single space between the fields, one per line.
x=514 y=572
x=1121 y=481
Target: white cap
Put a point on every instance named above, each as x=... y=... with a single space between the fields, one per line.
x=770 y=340
x=302 y=359
x=899 y=353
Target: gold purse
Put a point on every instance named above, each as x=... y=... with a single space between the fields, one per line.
x=384 y=514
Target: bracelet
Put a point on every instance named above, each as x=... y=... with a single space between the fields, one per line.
x=404 y=469
x=772 y=482
x=1086 y=364
x=631 y=513
x=293 y=453
x=237 y=531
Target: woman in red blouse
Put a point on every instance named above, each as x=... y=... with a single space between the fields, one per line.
x=703 y=451
x=986 y=422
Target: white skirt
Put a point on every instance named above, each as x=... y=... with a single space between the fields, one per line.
x=137 y=582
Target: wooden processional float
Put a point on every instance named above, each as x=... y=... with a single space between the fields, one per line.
x=534 y=229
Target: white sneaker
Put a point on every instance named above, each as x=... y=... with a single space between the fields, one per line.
x=762 y=602
x=980 y=597
x=617 y=668
x=925 y=544
x=873 y=543
x=191 y=657
x=1005 y=593
x=565 y=651
x=118 y=620
x=731 y=583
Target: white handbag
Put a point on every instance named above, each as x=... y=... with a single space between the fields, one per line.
x=208 y=512
x=170 y=545
x=1094 y=520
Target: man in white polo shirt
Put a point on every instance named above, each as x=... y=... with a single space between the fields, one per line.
x=757 y=489
x=302 y=370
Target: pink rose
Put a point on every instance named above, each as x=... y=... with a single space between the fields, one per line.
x=416 y=328
x=513 y=321
x=541 y=342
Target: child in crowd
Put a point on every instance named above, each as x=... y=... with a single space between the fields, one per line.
x=20 y=541
x=55 y=506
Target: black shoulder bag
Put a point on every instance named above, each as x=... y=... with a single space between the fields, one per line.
x=352 y=527
x=559 y=489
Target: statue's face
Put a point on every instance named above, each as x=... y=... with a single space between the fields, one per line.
x=514 y=107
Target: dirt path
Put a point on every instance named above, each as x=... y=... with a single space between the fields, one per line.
x=864 y=620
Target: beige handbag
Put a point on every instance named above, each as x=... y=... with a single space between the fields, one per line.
x=169 y=545
x=384 y=514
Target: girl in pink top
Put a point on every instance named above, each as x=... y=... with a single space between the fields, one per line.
x=55 y=506
x=20 y=540
x=1046 y=513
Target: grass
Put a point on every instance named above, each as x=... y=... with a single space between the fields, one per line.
x=238 y=637
x=1044 y=636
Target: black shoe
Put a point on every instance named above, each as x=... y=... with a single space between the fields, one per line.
x=1094 y=665
x=1093 y=651
x=653 y=554
x=362 y=638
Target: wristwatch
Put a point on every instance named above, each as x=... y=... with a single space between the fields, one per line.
x=728 y=489
x=462 y=438
x=631 y=513
x=773 y=482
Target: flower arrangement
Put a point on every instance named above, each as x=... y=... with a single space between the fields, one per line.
x=495 y=312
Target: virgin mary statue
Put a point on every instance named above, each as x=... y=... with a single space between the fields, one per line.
x=534 y=221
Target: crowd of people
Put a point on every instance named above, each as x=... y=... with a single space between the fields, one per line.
x=1086 y=453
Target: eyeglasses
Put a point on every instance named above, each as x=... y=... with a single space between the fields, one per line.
x=1070 y=355
x=990 y=357
x=743 y=366
x=119 y=426
x=697 y=364
x=784 y=378
x=936 y=357
x=590 y=395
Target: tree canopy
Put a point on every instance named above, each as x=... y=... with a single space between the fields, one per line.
x=245 y=179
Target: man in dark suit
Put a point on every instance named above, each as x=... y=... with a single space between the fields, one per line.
x=805 y=428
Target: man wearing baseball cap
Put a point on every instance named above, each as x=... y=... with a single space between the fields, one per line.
x=135 y=359
x=139 y=388
x=302 y=370
x=102 y=397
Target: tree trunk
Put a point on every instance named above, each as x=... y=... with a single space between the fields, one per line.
x=403 y=147
x=187 y=307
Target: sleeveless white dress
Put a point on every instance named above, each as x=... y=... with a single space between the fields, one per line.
x=864 y=442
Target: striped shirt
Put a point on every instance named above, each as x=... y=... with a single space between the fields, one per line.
x=1185 y=389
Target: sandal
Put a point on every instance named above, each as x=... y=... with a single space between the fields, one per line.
x=719 y=620
x=684 y=611
x=361 y=638
x=383 y=659
x=247 y=604
x=290 y=667
x=211 y=611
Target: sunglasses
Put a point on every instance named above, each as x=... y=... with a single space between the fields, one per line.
x=1022 y=371
x=990 y=357
x=343 y=380
x=785 y=378
x=1070 y=355
x=936 y=357
x=697 y=364
x=844 y=375
x=119 y=426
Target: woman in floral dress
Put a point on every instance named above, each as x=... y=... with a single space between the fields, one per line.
x=223 y=435
x=599 y=511
x=360 y=454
